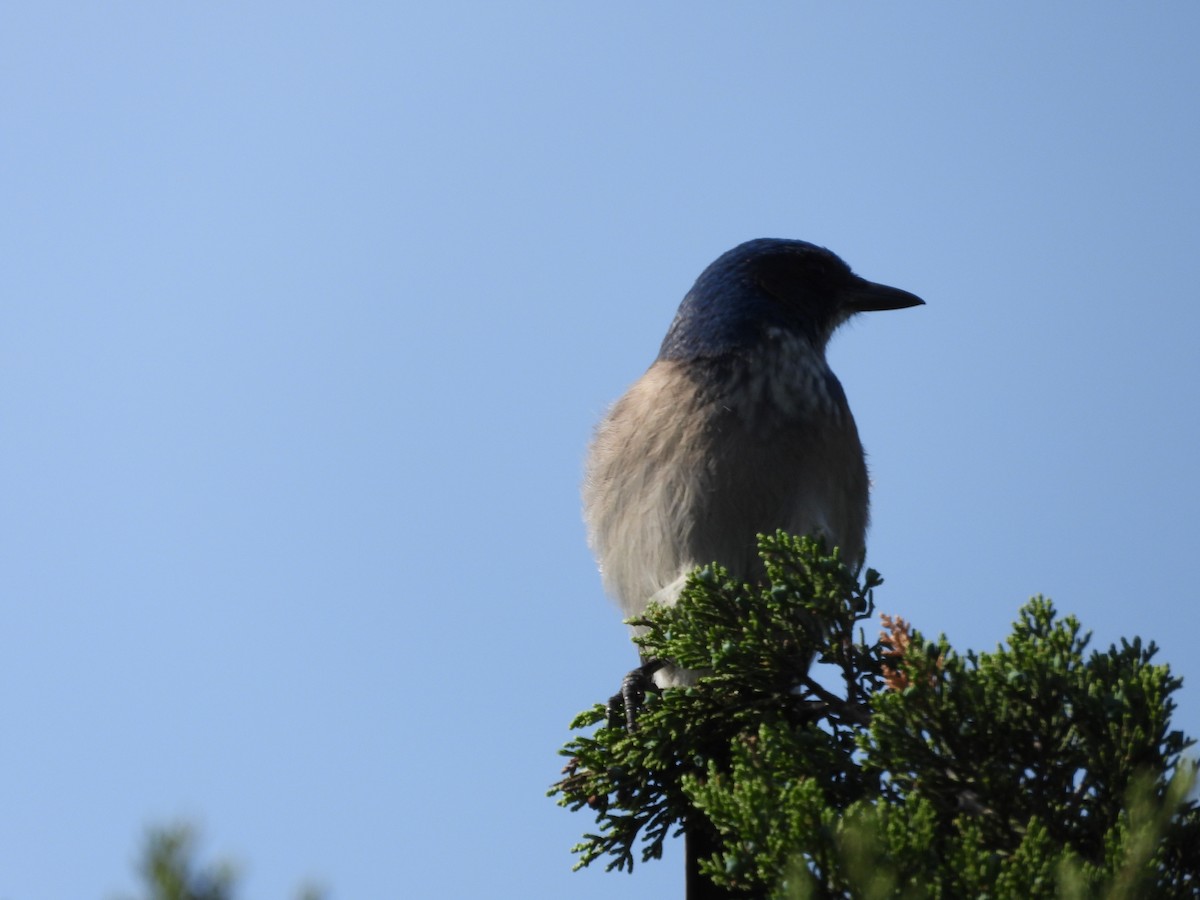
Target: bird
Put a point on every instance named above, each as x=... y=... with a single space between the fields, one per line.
x=738 y=428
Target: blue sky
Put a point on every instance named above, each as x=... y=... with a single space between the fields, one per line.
x=309 y=310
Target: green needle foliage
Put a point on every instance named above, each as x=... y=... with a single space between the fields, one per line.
x=896 y=768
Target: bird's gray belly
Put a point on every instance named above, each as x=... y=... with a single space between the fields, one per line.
x=802 y=477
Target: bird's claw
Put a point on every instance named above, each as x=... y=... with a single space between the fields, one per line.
x=633 y=692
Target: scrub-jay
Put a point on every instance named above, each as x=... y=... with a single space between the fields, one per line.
x=738 y=428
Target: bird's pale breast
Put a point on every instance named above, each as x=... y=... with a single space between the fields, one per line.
x=693 y=462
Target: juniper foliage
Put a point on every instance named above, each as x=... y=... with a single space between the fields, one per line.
x=896 y=767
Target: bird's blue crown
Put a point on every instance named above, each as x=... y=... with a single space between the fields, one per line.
x=763 y=285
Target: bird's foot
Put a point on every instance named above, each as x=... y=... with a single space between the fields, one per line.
x=633 y=692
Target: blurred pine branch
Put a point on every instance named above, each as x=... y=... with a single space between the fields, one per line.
x=170 y=870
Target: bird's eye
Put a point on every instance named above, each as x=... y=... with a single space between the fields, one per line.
x=794 y=278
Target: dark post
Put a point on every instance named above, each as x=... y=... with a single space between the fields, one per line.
x=697 y=844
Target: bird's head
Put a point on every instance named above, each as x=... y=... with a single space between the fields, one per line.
x=767 y=285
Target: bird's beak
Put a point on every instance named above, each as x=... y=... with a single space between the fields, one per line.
x=867 y=296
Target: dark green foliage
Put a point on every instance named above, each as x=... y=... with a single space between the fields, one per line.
x=1037 y=770
x=1039 y=746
